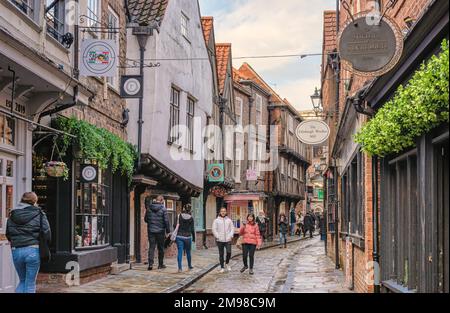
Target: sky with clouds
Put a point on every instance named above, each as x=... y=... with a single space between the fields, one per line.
x=268 y=27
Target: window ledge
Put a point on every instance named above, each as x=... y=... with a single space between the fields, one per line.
x=32 y=23
x=57 y=43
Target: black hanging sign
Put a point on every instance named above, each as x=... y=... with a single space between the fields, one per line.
x=89 y=173
x=131 y=87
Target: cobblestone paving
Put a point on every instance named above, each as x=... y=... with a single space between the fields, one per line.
x=302 y=268
x=139 y=280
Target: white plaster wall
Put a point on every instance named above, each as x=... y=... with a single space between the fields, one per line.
x=194 y=78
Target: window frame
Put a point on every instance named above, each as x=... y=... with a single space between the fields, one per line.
x=174 y=117
x=259 y=109
x=184 y=25
x=113 y=82
x=190 y=115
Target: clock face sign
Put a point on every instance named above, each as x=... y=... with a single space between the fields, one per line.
x=89 y=173
x=131 y=87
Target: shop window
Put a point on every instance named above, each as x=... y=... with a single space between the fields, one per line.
x=171 y=210
x=238 y=213
x=7 y=130
x=92 y=209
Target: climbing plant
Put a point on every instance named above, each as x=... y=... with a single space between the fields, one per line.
x=414 y=110
x=98 y=144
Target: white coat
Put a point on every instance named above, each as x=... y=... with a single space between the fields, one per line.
x=223 y=229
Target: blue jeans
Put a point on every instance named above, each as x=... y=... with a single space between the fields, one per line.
x=292 y=229
x=26 y=261
x=184 y=244
x=283 y=238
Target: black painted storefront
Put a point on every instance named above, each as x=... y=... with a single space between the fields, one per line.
x=58 y=199
x=414 y=205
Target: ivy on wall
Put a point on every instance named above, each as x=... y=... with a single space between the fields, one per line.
x=414 y=110
x=95 y=143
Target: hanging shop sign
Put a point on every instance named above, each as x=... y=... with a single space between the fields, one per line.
x=131 y=87
x=98 y=58
x=370 y=47
x=216 y=173
x=313 y=132
x=218 y=191
x=252 y=175
x=89 y=173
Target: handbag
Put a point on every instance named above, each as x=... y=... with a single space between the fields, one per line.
x=174 y=234
x=239 y=243
x=44 y=249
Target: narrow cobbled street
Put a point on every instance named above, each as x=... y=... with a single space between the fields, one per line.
x=302 y=267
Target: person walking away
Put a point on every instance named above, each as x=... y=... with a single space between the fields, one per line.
x=223 y=231
x=24 y=227
x=251 y=240
x=262 y=222
x=185 y=237
x=283 y=230
x=309 y=224
x=158 y=228
x=298 y=231
x=292 y=221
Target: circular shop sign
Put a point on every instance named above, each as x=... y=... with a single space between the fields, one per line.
x=369 y=47
x=99 y=57
x=89 y=173
x=132 y=86
x=313 y=132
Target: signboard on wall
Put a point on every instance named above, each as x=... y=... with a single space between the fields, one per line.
x=216 y=173
x=89 y=173
x=98 y=58
x=252 y=175
x=313 y=132
x=368 y=46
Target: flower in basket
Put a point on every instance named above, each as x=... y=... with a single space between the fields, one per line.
x=57 y=169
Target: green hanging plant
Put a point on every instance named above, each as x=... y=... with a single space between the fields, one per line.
x=95 y=143
x=414 y=110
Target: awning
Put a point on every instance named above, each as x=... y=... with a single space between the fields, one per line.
x=243 y=197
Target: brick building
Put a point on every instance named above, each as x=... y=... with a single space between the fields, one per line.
x=349 y=184
x=39 y=47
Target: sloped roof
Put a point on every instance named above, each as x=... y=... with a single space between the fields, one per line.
x=223 y=57
x=146 y=11
x=207 y=25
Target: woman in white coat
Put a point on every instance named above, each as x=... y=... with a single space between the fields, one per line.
x=223 y=231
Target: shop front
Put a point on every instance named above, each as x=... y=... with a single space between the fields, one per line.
x=240 y=205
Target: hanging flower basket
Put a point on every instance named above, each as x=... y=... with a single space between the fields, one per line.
x=56 y=169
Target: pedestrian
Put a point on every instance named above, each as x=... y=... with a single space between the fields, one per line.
x=292 y=217
x=185 y=237
x=309 y=223
x=24 y=227
x=251 y=240
x=262 y=222
x=223 y=231
x=283 y=230
x=299 y=223
x=158 y=228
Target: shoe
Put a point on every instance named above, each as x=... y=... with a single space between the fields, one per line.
x=150 y=268
x=180 y=271
x=161 y=267
x=244 y=269
x=251 y=272
x=228 y=268
x=191 y=268
x=222 y=270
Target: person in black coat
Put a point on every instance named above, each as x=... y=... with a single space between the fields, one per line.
x=185 y=237
x=309 y=224
x=158 y=228
x=23 y=230
x=283 y=229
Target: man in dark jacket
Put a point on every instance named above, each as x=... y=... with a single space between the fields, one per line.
x=309 y=224
x=158 y=227
x=23 y=230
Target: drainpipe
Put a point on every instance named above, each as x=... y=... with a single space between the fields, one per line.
x=375 y=223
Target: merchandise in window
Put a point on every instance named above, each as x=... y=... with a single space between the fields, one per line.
x=92 y=210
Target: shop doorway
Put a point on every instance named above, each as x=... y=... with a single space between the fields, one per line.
x=8 y=276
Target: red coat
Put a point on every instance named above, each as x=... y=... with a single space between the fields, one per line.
x=250 y=234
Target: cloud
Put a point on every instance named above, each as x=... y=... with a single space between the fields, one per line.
x=267 y=27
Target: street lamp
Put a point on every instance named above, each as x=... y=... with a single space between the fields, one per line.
x=144 y=16
x=316 y=100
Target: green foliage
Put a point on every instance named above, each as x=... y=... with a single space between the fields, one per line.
x=414 y=110
x=98 y=144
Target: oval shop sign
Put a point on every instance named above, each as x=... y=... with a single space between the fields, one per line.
x=313 y=132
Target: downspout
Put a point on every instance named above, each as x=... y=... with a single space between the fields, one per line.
x=336 y=199
x=375 y=223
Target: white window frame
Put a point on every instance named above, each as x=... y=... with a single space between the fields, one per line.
x=295 y=172
x=184 y=25
x=239 y=110
x=114 y=81
x=282 y=166
x=258 y=107
x=93 y=12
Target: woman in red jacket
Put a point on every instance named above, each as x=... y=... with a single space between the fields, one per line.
x=251 y=240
